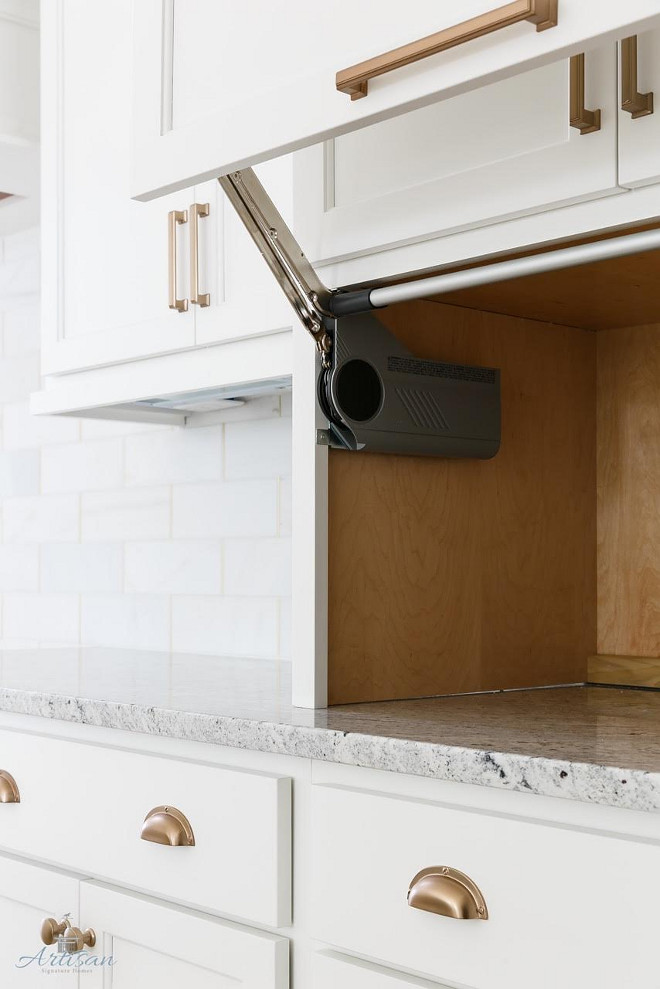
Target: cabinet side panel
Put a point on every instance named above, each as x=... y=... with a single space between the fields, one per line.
x=461 y=575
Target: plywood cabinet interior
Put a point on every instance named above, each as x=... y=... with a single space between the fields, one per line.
x=450 y=576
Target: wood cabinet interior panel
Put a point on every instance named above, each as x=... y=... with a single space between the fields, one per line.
x=628 y=492
x=461 y=575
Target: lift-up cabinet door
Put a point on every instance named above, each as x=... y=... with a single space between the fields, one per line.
x=219 y=85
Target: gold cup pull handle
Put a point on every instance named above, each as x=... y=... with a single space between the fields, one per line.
x=9 y=793
x=166 y=825
x=197 y=298
x=632 y=101
x=447 y=892
x=174 y=217
x=354 y=81
x=586 y=121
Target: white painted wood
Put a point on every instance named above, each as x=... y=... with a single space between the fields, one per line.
x=245 y=299
x=240 y=864
x=219 y=86
x=28 y=893
x=488 y=155
x=639 y=140
x=543 y=886
x=155 y=944
x=332 y=969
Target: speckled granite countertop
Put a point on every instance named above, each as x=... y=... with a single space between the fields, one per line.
x=596 y=744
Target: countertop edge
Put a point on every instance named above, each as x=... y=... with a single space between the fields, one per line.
x=587 y=782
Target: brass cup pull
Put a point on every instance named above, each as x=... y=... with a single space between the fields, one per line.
x=355 y=80
x=167 y=826
x=174 y=217
x=9 y=793
x=202 y=299
x=69 y=939
x=586 y=121
x=447 y=892
x=632 y=101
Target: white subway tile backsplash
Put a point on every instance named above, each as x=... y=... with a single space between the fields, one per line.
x=91 y=466
x=182 y=567
x=82 y=568
x=19 y=473
x=225 y=626
x=258 y=449
x=45 y=617
x=258 y=567
x=131 y=535
x=40 y=518
x=141 y=513
x=125 y=621
x=19 y=567
x=175 y=456
x=237 y=508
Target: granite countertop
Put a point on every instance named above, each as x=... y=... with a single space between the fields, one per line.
x=596 y=744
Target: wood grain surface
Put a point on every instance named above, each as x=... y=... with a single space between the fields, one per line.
x=460 y=575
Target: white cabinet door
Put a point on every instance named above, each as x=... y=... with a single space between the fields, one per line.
x=28 y=894
x=154 y=944
x=498 y=152
x=244 y=298
x=104 y=257
x=218 y=85
x=639 y=131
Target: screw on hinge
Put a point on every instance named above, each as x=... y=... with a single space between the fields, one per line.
x=323 y=437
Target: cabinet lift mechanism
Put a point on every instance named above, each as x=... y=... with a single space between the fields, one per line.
x=375 y=394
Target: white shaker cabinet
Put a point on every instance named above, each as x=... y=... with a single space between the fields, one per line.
x=500 y=151
x=219 y=85
x=639 y=110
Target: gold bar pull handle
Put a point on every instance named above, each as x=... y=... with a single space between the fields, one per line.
x=447 y=892
x=174 y=217
x=354 y=81
x=586 y=121
x=632 y=101
x=197 y=298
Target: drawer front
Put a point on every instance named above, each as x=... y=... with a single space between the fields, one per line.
x=554 y=896
x=331 y=970
x=83 y=806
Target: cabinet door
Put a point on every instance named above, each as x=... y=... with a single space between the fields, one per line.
x=492 y=154
x=105 y=257
x=244 y=298
x=30 y=893
x=219 y=85
x=154 y=944
x=639 y=131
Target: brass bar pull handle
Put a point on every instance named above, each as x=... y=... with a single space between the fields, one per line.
x=632 y=101
x=355 y=80
x=447 y=892
x=166 y=825
x=174 y=217
x=586 y=121
x=9 y=793
x=196 y=298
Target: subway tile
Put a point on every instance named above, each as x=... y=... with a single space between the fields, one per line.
x=285 y=507
x=239 y=508
x=258 y=449
x=19 y=473
x=141 y=513
x=19 y=376
x=41 y=518
x=225 y=626
x=22 y=244
x=285 y=629
x=126 y=621
x=174 y=567
x=19 y=567
x=22 y=330
x=257 y=567
x=75 y=567
x=90 y=466
x=174 y=456
x=50 y=617
x=21 y=430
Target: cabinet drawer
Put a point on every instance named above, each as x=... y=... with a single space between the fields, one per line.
x=553 y=895
x=83 y=806
x=331 y=970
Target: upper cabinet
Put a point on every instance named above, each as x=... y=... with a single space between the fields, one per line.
x=639 y=110
x=219 y=85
